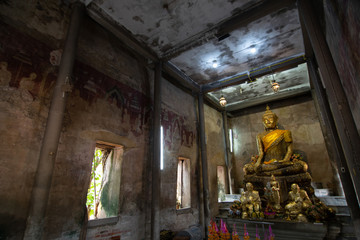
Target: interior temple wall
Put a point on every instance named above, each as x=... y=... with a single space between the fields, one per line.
x=215 y=147
x=300 y=117
x=110 y=101
x=179 y=121
x=24 y=110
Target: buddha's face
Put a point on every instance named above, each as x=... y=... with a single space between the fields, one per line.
x=3 y=65
x=295 y=187
x=249 y=187
x=269 y=121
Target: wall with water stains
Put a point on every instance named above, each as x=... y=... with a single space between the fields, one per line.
x=110 y=101
x=342 y=27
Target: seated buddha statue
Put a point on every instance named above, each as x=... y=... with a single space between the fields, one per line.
x=299 y=202
x=275 y=147
x=250 y=203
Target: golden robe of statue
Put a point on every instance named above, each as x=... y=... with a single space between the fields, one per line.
x=275 y=148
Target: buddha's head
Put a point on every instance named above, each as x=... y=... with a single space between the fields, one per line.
x=3 y=65
x=295 y=188
x=269 y=119
x=249 y=186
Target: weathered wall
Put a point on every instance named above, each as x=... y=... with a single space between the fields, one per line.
x=111 y=101
x=301 y=119
x=342 y=27
x=178 y=119
x=215 y=147
x=22 y=120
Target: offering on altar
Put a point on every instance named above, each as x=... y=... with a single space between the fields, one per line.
x=224 y=233
x=246 y=234
x=235 y=235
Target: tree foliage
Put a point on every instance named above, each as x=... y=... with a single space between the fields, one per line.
x=94 y=190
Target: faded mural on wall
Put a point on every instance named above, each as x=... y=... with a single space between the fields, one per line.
x=32 y=66
x=91 y=85
x=176 y=129
x=24 y=63
x=28 y=72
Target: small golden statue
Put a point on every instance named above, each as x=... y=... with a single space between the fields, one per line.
x=250 y=203
x=299 y=202
x=275 y=148
x=274 y=198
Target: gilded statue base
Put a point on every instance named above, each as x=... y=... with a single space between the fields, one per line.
x=302 y=179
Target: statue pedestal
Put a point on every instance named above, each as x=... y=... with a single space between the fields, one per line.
x=302 y=179
x=283 y=230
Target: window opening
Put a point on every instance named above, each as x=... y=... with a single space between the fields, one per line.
x=183 y=198
x=104 y=188
x=161 y=148
x=231 y=140
x=221 y=181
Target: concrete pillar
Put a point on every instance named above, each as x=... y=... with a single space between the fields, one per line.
x=42 y=185
x=341 y=112
x=204 y=164
x=333 y=144
x=155 y=199
x=200 y=198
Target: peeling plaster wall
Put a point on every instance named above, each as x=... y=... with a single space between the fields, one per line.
x=301 y=119
x=215 y=147
x=25 y=86
x=178 y=119
x=342 y=27
x=110 y=104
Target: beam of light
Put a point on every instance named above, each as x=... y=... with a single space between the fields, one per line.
x=231 y=140
x=161 y=149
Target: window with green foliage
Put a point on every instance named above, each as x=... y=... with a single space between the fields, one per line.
x=104 y=188
x=94 y=190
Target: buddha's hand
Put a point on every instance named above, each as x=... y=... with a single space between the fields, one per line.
x=271 y=161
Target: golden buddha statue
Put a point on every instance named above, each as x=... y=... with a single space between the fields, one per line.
x=275 y=147
x=250 y=203
x=299 y=202
x=274 y=200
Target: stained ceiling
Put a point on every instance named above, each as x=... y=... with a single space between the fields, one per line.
x=234 y=48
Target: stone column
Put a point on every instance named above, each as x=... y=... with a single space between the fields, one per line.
x=345 y=135
x=204 y=164
x=333 y=143
x=155 y=197
x=341 y=112
x=42 y=185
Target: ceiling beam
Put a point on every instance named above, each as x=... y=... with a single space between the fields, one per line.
x=281 y=65
x=102 y=18
x=237 y=109
x=245 y=18
x=223 y=28
x=184 y=80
